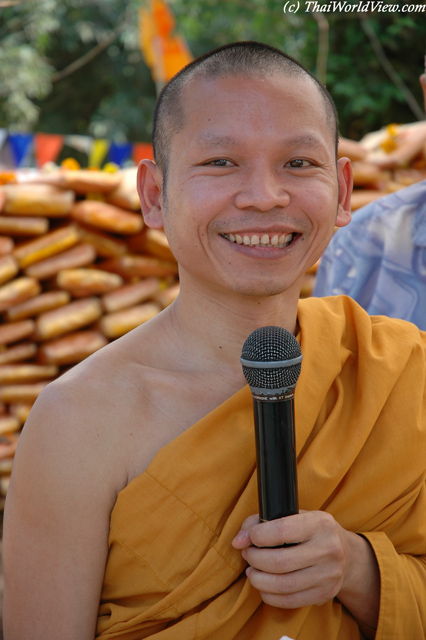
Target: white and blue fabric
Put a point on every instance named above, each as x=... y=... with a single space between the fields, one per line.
x=379 y=259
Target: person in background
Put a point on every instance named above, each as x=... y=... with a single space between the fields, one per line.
x=380 y=259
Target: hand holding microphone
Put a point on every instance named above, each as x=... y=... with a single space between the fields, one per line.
x=322 y=560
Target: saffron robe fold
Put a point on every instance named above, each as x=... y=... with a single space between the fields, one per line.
x=172 y=573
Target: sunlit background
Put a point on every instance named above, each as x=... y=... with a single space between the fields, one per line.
x=93 y=68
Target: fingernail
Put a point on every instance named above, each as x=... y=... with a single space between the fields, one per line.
x=240 y=535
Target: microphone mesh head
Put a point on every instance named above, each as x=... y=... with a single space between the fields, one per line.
x=271 y=344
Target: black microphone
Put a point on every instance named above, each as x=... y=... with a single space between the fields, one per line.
x=271 y=361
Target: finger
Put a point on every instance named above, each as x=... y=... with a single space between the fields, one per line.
x=277 y=532
x=243 y=540
x=278 y=561
x=294 y=600
x=300 y=588
x=292 y=529
x=281 y=584
x=324 y=548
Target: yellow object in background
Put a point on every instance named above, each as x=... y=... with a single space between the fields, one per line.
x=71 y=164
x=389 y=144
x=98 y=152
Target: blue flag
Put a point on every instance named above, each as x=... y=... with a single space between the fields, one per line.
x=120 y=152
x=20 y=144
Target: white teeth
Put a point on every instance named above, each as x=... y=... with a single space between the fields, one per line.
x=260 y=239
x=284 y=239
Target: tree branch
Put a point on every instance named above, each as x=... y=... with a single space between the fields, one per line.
x=322 y=55
x=88 y=57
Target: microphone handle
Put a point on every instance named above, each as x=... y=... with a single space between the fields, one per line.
x=276 y=458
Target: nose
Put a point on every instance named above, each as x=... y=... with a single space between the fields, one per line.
x=263 y=190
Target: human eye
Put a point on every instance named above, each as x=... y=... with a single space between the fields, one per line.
x=298 y=163
x=220 y=162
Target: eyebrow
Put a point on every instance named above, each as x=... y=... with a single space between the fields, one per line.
x=215 y=140
x=306 y=139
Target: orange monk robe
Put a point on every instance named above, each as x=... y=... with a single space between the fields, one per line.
x=172 y=573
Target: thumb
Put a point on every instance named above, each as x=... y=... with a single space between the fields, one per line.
x=242 y=539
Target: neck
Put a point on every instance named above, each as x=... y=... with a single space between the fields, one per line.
x=211 y=327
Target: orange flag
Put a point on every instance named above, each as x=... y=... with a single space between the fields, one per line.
x=163 y=18
x=164 y=52
x=142 y=151
x=47 y=147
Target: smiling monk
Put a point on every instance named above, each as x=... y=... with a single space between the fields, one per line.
x=132 y=508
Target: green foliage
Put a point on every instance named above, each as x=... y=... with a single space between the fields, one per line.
x=111 y=94
x=365 y=95
x=25 y=75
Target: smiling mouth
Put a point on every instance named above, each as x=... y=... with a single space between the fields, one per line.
x=276 y=240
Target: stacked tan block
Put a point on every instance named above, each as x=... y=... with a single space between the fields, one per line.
x=385 y=161
x=77 y=270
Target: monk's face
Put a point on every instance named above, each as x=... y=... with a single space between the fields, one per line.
x=252 y=186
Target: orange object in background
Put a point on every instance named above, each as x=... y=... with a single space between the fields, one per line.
x=164 y=52
x=47 y=147
x=142 y=150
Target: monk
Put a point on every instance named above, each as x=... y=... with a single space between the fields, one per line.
x=132 y=510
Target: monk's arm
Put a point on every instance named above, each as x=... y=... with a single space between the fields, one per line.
x=56 y=528
x=360 y=591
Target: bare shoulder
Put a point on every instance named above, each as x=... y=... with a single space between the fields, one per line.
x=67 y=422
x=64 y=456
x=92 y=425
x=70 y=465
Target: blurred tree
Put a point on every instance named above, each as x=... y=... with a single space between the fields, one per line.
x=374 y=66
x=25 y=74
x=74 y=66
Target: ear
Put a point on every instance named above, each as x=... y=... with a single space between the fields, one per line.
x=149 y=185
x=344 y=176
